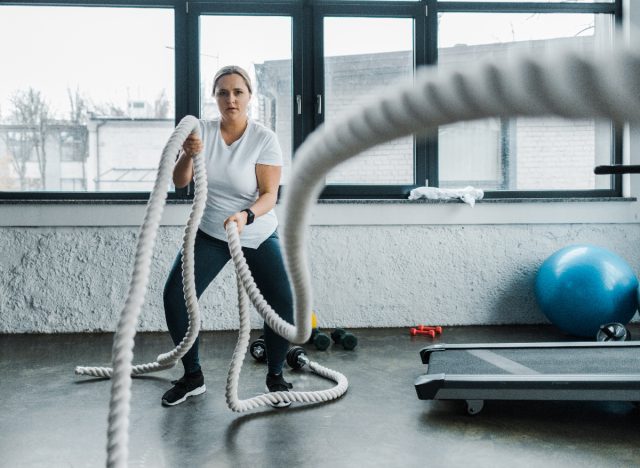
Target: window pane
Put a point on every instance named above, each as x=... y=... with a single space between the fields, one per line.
x=522 y=153
x=360 y=56
x=83 y=108
x=268 y=62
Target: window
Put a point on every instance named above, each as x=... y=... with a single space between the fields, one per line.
x=531 y=154
x=90 y=96
x=84 y=97
x=357 y=65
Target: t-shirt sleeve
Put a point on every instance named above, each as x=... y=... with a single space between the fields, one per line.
x=203 y=130
x=271 y=154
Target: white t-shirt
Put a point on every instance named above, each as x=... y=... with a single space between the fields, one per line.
x=232 y=182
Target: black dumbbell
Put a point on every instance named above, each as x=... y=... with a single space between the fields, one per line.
x=320 y=340
x=258 y=350
x=297 y=357
x=346 y=339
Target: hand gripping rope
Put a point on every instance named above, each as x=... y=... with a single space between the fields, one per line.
x=567 y=83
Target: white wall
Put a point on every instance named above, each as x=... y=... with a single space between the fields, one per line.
x=71 y=279
x=373 y=265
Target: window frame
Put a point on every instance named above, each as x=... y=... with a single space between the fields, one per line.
x=423 y=155
x=308 y=76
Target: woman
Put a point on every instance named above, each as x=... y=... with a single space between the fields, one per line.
x=244 y=162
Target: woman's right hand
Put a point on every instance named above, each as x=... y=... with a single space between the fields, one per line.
x=192 y=145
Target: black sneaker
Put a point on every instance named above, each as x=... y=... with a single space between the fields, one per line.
x=188 y=385
x=276 y=383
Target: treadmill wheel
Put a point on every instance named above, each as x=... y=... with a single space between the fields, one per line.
x=613 y=332
x=474 y=406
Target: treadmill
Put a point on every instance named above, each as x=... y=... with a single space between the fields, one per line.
x=474 y=373
x=577 y=371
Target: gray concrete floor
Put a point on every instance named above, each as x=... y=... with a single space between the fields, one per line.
x=52 y=418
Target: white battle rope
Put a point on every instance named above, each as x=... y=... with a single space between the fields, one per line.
x=122 y=353
x=567 y=84
x=247 y=290
x=125 y=331
x=123 y=342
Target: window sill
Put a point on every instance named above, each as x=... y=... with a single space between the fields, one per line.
x=479 y=202
x=337 y=212
x=326 y=201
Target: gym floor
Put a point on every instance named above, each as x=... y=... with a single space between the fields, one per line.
x=53 y=418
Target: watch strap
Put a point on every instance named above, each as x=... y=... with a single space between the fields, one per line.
x=250 y=215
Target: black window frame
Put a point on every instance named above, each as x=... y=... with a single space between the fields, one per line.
x=307 y=62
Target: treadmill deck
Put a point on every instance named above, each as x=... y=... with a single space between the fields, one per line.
x=601 y=371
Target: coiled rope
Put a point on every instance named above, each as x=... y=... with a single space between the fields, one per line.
x=567 y=84
x=122 y=353
x=125 y=331
x=248 y=291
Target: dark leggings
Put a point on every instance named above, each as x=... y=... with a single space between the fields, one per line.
x=211 y=255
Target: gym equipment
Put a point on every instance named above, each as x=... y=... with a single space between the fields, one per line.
x=436 y=329
x=319 y=339
x=415 y=332
x=473 y=373
x=258 y=350
x=604 y=371
x=297 y=357
x=344 y=338
x=122 y=351
x=581 y=287
x=617 y=169
x=613 y=332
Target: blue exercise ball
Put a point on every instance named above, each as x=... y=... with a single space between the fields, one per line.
x=581 y=287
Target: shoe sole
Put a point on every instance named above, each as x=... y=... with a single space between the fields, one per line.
x=280 y=404
x=194 y=392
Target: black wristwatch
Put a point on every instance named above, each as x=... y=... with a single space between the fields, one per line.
x=250 y=215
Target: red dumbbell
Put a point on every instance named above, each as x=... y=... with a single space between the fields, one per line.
x=437 y=329
x=415 y=331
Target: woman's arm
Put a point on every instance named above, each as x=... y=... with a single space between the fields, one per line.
x=183 y=170
x=268 y=184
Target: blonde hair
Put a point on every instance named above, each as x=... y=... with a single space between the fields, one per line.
x=230 y=70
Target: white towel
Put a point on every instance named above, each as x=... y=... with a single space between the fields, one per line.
x=469 y=195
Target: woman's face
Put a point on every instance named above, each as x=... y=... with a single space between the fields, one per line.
x=232 y=96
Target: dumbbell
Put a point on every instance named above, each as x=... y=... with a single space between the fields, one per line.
x=297 y=357
x=437 y=328
x=346 y=339
x=416 y=331
x=258 y=350
x=319 y=339
x=613 y=332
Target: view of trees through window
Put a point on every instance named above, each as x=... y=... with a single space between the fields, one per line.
x=86 y=98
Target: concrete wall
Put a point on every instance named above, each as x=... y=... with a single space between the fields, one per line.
x=70 y=279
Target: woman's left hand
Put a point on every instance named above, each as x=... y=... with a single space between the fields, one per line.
x=240 y=218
